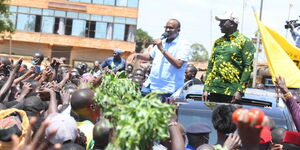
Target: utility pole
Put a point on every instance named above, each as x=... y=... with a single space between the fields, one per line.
x=243 y=14
x=257 y=49
x=288 y=18
x=210 y=35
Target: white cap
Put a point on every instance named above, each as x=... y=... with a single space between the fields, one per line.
x=66 y=128
x=228 y=15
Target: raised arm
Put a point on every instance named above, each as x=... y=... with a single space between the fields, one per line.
x=290 y=101
x=13 y=73
x=142 y=56
x=173 y=60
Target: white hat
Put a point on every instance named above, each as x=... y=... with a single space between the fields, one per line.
x=228 y=15
x=66 y=128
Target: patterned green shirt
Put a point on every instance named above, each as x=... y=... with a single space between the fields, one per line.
x=230 y=65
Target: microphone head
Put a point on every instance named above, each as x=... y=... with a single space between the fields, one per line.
x=164 y=35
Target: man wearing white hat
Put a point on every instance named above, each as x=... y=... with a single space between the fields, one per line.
x=230 y=64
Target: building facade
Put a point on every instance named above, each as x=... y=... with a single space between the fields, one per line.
x=80 y=30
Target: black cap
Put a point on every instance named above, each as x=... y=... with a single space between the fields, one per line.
x=31 y=105
x=198 y=128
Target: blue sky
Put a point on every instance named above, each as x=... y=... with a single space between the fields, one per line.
x=197 y=17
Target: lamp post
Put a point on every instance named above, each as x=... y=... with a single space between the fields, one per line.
x=257 y=48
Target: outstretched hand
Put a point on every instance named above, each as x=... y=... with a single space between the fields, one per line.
x=65 y=96
x=233 y=141
x=16 y=66
x=280 y=83
x=204 y=96
x=237 y=96
x=34 y=143
x=158 y=43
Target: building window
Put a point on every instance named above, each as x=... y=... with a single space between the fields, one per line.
x=72 y=15
x=86 y=1
x=130 y=31
x=109 y=31
x=131 y=21
x=78 y=27
x=38 y=20
x=98 y=1
x=96 y=17
x=23 y=10
x=60 y=26
x=109 y=2
x=108 y=18
x=68 y=29
x=101 y=28
x=74 y=23
x=84 y=16
x=59 y=13
x=48 y=12
x=47 y=24
x=90 y=29
x=13 y=18
x=119 y=31
x=36 y=11
x=120 y=20
x=121 y=3
x=13 y=8
x=56 y=25
x=133 y=3
x=26 y=22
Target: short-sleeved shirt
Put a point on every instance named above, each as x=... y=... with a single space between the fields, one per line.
x=296 y=36
x=87 y=127
x=230 y=65
x=164 y=76
x=113 y=64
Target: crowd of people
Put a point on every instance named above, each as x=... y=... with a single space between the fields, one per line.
x=52 y=105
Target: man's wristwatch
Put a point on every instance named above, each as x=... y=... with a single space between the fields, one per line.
x=163 y=51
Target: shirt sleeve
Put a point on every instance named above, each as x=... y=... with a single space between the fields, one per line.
x=208 y=70
x=104 y=63
x=184 y=52
x=153 y=52
x=247 y=58
x=294 y=109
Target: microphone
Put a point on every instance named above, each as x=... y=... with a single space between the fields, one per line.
x=164 y=35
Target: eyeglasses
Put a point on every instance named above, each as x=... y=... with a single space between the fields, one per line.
x=169 y=27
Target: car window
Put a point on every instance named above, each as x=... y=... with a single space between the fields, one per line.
x=189 y=116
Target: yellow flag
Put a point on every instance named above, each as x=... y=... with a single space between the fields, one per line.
x=280 y=55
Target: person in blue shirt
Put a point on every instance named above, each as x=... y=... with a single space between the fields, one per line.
x=169 y=60
x=295 y=31
x=115 y=63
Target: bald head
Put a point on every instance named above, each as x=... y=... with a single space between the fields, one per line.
x=177 y=21
x=82 y=98
x=101 y=133
x=278 y=135
x=37 y=58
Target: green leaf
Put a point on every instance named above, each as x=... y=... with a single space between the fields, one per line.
x=138 y=120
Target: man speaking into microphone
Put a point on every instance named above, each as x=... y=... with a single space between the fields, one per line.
x=169 y=60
